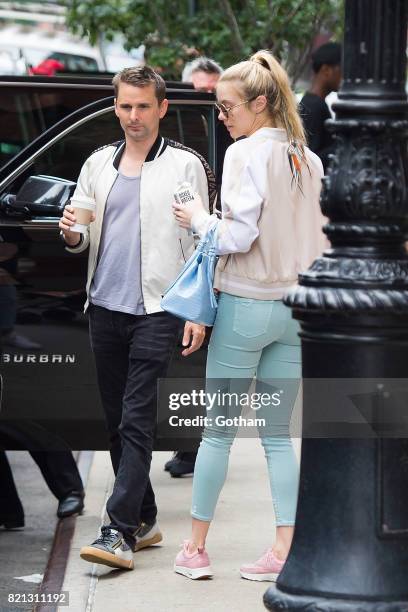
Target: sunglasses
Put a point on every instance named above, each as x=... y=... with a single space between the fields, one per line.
x=225 y=110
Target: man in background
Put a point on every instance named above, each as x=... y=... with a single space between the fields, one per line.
x=326 y=64
x=203 y=73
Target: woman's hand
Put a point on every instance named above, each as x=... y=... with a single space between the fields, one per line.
x=184 y=213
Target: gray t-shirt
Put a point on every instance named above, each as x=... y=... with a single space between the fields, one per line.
x=116 y=284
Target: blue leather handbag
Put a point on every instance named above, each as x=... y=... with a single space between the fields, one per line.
x=191 y=296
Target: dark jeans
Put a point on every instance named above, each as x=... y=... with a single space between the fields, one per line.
x=131 y=353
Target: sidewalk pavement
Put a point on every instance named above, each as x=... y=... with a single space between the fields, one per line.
x=242 y=529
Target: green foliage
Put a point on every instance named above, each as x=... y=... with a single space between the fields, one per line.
x=226 y=30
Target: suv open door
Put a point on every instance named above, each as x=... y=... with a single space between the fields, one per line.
x=47 y=368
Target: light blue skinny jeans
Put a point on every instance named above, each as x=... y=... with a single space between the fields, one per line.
x=251 y=337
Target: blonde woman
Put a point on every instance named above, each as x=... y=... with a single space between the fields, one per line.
x=270 y=230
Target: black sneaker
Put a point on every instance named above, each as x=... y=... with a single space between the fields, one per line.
x=12 y=521
x=183 y=464
x=109 y=549
x=169 y=464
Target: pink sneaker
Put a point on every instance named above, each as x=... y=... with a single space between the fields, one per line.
x=193 y=565
x=267 y=568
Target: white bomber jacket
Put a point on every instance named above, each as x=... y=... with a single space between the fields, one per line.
x=164 y=247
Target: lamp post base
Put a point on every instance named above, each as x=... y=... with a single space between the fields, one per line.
x=276 y=600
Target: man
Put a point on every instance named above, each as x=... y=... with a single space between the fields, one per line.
x=326 y=64
x=60 y=472
x=57 y=466
x=136 y=251
x=203 y=73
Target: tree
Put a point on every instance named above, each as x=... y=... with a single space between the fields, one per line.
x=226 y=30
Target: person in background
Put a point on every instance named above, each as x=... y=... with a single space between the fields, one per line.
x=9 y=300
x=326 y=64
x=270 y=231
x=61 y=474
x=204 y=74
x=58 y=467
x=48 y=67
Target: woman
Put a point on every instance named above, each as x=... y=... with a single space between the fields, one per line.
x=271 y=229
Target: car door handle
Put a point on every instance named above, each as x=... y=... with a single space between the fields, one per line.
x=41 y=223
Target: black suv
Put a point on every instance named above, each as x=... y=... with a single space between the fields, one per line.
x=47 y=374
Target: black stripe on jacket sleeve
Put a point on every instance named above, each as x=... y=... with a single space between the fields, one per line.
x=212 y=186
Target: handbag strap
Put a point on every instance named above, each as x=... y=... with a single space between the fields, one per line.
x=207 y=242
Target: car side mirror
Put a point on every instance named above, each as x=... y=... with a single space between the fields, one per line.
x=43 y=195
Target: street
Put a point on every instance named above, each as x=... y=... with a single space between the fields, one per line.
x=25 y=553
x=243 y=527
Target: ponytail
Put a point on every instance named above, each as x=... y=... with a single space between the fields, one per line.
x=262 y=75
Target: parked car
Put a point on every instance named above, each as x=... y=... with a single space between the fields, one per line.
x=52 y=385
x=23 y=47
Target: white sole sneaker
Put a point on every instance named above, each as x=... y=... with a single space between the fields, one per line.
x=195 y=574
x=96 y=555
x=146 y=542
x=260 y=577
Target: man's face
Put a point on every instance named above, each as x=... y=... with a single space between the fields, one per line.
x=139 y=111
x=332 y=76
x=336 y=77
x=205 y=81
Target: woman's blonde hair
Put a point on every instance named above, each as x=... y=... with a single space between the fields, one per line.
x=262 y=75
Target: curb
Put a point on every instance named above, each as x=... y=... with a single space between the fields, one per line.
x=53 y=580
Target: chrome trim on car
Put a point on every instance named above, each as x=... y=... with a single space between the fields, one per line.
x=57 y=85
x=41 y=223
x=84 y=85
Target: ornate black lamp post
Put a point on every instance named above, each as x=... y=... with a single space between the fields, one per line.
x=350 y=550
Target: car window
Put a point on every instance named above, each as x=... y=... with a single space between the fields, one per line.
x=65 y=157
x=75 y=63
x=26 y=114
x=190 y=127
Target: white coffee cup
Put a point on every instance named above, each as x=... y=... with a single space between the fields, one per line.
x=84 y=208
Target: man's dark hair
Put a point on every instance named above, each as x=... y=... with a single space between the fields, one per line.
x=329 y=54
x=141 y=76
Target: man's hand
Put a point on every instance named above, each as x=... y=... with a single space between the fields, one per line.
x=194 y=334
x=66 y=222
